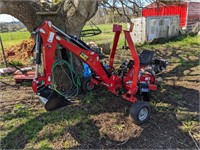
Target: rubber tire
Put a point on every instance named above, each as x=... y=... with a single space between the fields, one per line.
x=85 y=85
x=135 y=109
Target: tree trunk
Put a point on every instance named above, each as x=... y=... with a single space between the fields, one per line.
x=69 y=15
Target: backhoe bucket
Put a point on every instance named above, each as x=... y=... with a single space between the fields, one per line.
x=51 y=100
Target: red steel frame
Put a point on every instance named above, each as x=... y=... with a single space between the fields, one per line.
x=49 y=41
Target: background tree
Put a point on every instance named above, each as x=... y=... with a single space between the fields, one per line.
x=69 y=15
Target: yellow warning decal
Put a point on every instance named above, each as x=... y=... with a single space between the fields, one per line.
x=83 y=56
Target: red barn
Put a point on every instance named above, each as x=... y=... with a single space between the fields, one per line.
x=189 y=12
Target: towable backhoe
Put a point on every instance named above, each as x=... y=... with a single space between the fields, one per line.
x=133 y=79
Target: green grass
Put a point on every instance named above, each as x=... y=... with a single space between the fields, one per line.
x=40 y=128
x=184 y=41
x=16 y=63
x=12 y=38
x=89 y=97
x=106 y=36
x=179 y=42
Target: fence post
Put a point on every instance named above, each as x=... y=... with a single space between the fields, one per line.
x=4 y=56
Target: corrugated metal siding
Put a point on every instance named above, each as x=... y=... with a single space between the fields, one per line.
x=149 y=28
x=180 y=10
x=162 y=27
x=193 y=14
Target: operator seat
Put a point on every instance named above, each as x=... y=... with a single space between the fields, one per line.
x=146 y=57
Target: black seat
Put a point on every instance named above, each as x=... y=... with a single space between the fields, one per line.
x=146 y=57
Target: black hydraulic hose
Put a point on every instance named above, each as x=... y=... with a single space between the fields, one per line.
x=74 y=40
x=38 y=48
x=79 y=43
x=33 y=49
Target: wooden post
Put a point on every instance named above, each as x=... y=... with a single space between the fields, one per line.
x=4 y=56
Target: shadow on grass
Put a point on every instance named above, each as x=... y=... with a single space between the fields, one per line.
x=163 y=131
x=74 y=122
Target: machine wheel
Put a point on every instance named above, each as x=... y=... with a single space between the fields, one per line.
x=87 y=85
x=140 y=112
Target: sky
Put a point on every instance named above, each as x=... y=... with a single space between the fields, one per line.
x=7 y=18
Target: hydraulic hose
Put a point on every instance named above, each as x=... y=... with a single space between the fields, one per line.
x=72 y=75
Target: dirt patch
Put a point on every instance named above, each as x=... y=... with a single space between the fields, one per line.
x=21 y=51
x=117 y=126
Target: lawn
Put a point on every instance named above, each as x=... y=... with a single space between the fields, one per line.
x=107 y=35
x=12 y=38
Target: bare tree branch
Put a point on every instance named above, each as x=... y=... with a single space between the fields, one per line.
x=129 y=19
x=124 y=7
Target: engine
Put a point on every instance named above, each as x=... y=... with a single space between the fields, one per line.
x=150 y=68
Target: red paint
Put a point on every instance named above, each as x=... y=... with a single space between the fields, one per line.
x=35 y=86
x=117 y=29
x=10 y=53
x=152 y=87
x=147 y=78
x=133 y=89
x=19 y=77
x=165 y=10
